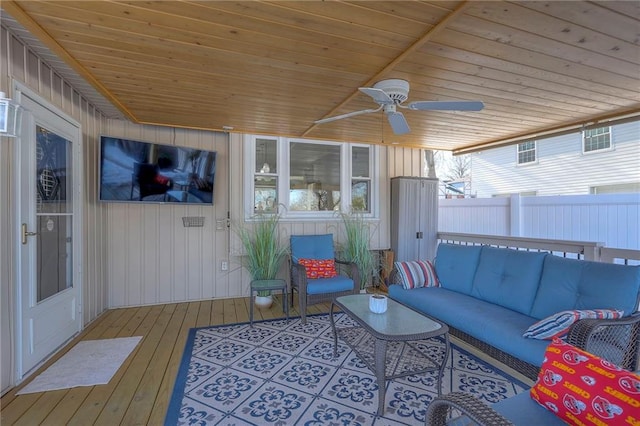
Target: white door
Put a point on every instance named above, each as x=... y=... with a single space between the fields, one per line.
x=49 y=257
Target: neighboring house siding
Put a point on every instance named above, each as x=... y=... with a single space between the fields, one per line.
x=561 y=167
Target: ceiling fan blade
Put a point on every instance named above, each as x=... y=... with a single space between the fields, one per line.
x=347 y=115
x=398 y=123
x=378 y=95
x=445 y=105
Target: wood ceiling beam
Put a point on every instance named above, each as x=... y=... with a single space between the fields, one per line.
x=409 y=51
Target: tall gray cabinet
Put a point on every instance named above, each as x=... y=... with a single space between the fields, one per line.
x=414 y=218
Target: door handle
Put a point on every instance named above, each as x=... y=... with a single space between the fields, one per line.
x=26 y=233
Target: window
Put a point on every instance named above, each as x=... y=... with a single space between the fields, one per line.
x=597 y=139
x=314 y=179
x=527 y=152
x=310 y=179
x=360 y=179
x=265 y=176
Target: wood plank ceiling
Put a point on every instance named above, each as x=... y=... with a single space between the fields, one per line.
x=275 y=67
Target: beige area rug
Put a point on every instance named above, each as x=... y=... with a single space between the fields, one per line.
x=89 y=363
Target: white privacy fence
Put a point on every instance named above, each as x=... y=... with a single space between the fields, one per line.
x=612 y=220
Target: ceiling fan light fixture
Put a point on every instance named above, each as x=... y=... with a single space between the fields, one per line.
x=395 y=88
x=390 y=94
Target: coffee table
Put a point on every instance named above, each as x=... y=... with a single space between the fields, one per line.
x=398 y=335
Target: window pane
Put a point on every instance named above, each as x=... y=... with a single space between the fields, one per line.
x=314 y=180
x=360 y=161
x=595 y=139
x=266 y=158
x=526 y=152
x=265 y=194
x=361 y=195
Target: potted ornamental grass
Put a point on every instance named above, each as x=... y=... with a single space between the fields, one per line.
x=263 y=251
x=356 y=247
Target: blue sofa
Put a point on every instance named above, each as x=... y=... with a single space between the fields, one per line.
x=490 y=296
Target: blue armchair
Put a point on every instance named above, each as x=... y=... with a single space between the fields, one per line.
x=318 y=290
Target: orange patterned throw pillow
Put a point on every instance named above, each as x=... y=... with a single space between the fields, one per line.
x=583 y=389
x=319 y=268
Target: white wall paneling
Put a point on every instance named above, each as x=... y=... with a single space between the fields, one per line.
x=152 y=257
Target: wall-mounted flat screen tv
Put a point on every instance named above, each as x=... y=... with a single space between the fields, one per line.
x=144 y=172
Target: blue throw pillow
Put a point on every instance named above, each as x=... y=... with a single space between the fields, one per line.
x=557 y=325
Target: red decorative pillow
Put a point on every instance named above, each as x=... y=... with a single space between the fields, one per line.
x=162 y=180
x=582 y=388
x=319 y=268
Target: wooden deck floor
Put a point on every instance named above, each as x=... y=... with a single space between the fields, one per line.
x=139 y=392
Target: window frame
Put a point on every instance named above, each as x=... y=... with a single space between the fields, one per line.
x=534 y=150
x=283 y=145
x=605 y=149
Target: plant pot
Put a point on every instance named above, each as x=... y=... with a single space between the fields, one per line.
x=263 y=302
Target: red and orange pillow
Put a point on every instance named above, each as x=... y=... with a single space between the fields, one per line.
x=319 y=268
x=582 y=388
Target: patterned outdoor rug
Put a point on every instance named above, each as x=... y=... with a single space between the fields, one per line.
x=281 y=373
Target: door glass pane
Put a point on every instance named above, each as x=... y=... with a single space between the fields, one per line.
x=54 y=255
x=314 y=177
x=54 y=212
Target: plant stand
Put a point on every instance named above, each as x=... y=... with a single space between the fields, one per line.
x=268 y=285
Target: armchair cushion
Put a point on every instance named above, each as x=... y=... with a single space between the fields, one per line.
x=578 y=386
x=312 y=247
x=319 y=268
x=336 y=284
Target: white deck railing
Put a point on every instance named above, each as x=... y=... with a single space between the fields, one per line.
x=572 y=249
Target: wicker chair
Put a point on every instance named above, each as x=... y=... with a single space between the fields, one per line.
x=319 y=290
x=617 y=341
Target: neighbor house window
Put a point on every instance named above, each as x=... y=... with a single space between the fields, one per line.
x=309 y=179
x=527 y=152
x=597 y=139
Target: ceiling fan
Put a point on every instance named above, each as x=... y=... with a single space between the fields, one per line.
x=390 y=94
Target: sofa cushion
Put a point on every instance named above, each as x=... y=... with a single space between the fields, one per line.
x=456 y=265
x=508 y=278
x=569 y=284
x=416 y=273
x=558 y=325
x=582 y=388
x=499 y=326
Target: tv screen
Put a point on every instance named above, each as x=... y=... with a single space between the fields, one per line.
x=134 y=171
